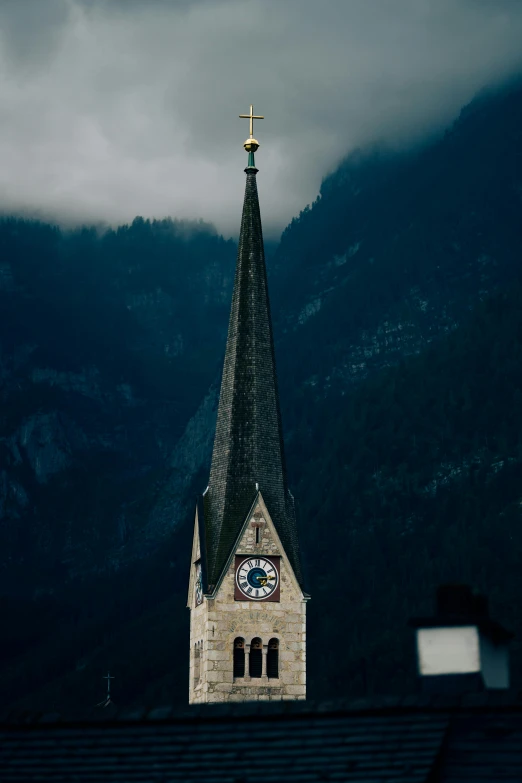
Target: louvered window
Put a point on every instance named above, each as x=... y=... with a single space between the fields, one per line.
x=272 y=659
x=239 y=657
x=256 y=658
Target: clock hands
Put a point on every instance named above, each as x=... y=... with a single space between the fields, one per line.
x=264 y=579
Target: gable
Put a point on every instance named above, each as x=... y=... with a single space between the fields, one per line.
x=258 y=518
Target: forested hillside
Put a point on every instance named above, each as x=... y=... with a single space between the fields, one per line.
x=106 y=354
x=397 y=300
x=417 y=480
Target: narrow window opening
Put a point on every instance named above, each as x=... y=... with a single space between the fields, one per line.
x=239 y=657
x=197 y=664
x=272 y=659
x=256 y=658
x=257 y=535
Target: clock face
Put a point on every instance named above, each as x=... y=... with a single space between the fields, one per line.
x=257 y=578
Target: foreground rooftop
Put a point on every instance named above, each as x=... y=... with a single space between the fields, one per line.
x=474 y=737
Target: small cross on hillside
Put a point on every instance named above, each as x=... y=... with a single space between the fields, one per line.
x=108 y=700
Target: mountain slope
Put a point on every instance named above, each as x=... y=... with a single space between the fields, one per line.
x=398 y=326
x=418 y=482
x=400 y=246
x=105 y=357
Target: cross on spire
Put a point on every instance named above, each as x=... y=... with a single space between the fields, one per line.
x=251 y=117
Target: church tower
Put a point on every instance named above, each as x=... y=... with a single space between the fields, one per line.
x=246 y=599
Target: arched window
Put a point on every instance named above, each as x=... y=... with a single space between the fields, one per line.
x=239 y=657
x=256 y=658
x=272 y=659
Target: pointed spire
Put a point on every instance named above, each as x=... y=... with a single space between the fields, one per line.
x=248 y=447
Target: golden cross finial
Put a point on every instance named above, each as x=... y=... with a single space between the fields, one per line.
x=251 y=117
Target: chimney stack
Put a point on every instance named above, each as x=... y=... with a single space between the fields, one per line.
x=460 y=649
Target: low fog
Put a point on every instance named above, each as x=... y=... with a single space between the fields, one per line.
x=130 y=107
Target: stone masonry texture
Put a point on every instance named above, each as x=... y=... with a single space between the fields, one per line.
x=218 y=621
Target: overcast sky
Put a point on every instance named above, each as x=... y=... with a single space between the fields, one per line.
x=115 y=108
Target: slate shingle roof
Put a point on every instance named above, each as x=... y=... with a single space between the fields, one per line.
x=484 y=748
x=433 y=740
x=248 y=445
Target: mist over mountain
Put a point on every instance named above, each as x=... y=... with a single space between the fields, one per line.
x=397 y=310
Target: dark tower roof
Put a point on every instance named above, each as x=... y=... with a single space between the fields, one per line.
x=248 y=446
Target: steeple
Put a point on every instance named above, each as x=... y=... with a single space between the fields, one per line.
x=248 y=450
x=245 y=553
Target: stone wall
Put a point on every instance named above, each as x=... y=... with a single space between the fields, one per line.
x=219 y=620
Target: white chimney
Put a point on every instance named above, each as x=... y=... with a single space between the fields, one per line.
x=460 y=648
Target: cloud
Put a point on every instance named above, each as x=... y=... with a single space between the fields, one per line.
x=112 y=108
